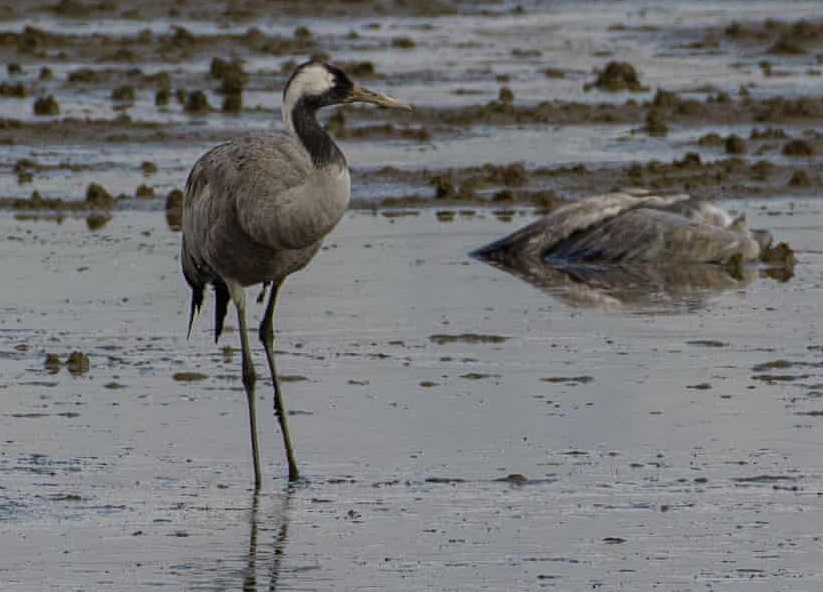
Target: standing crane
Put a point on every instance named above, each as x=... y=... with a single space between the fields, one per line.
x=257 y=209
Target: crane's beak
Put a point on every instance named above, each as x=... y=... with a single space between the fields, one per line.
x=364 y=95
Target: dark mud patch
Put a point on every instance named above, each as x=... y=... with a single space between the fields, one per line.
x=671 y=106
x=513 y=478
x=478 y=375
x=444 y=480
x=772 y=36
x=292 y=378
x=176 y=44
x=764 y=479
x=97 y=198
x=548 y=187
x=572 y=380
x=780 y=378
x=772 y=365
x=443 y=338
x=189 y=376
x=77 y=363
x=247 y=11
x=617 y=77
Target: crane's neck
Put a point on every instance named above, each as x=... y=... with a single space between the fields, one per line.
x=301 y=121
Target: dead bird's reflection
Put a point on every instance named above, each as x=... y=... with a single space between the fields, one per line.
x=635 y=250
x=267 y=559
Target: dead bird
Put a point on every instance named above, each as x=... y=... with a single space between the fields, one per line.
x=632 y=248
x=633 y=227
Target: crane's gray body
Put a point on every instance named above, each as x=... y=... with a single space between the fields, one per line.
x=256 y=210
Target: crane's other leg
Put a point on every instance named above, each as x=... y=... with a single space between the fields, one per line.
x=238 y=296
x=267 y=337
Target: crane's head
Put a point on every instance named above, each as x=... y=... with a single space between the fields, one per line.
x=318 y=84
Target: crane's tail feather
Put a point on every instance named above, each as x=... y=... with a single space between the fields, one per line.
x=221 y=294
x=196 y=303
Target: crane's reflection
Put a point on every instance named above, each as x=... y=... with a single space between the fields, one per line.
x=272 y=563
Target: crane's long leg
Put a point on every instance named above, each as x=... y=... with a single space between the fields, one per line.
x=238 y=296
x=267 y=337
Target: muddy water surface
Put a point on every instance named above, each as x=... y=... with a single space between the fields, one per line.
x=483 y=435
x=458 y=428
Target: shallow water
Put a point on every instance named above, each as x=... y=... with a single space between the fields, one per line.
x=672 y=449
x=457 y=428
x=472 y=51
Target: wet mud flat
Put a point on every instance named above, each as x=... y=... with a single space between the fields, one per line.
x=583 y=97
x=484 y=435
x=459 y=428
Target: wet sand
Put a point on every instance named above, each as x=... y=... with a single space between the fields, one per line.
x=481 y=436
x=458 y=428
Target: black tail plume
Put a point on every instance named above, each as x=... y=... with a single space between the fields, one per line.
x=221 y=306
x=196 y=303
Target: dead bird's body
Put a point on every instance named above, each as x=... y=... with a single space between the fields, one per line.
x=625 y=249
x=630 y=228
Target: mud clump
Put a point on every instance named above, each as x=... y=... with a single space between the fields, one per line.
x=711 y=139
x=800 y=178
x=85 y=76
x=666 y=99
x=443 y=338
x=162 y=97
x=571 y=380
x=232 y=103
x=403 y=43
x=231 y=75
x=97 y=221
x=189 y=376
x=53 y=363
x=76 y=9
x=510 y=175
x=46 y=106
x=360 y=69
x=786 y=45
x=770 y=133
x=174 y=210
x=197 y=103
x=144 y=191
x=656 y=123
x=15 y=90
x=779 y=38
x=505 y=96
x=78 y=363
x=97 y=197
x=148 y=167
x=513 y=478
x=617 y=77
x=124 y=94
x=735 y=145
x=798 y=149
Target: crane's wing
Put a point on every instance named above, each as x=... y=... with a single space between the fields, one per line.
x=226 y=188
x=244 y=182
